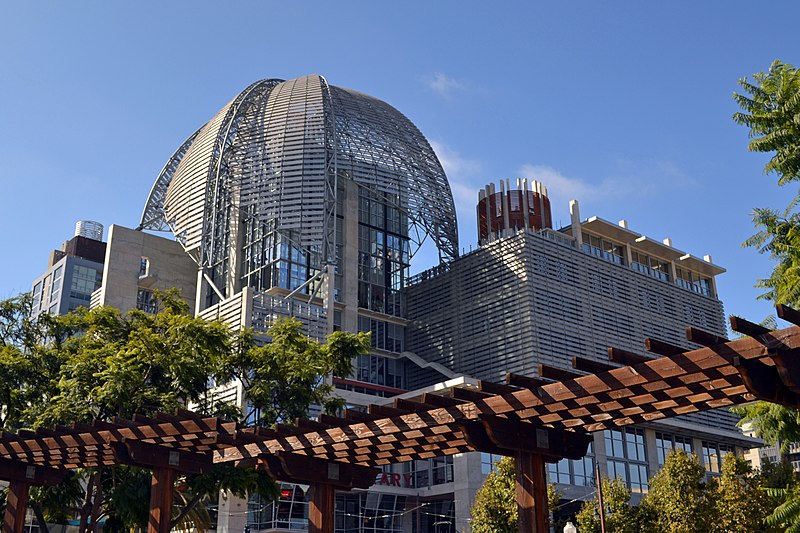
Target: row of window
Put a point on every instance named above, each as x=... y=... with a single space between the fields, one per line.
x=379 y=370
x=626 y=453
x=47 y=293
x=615 y=253
x=384 y=335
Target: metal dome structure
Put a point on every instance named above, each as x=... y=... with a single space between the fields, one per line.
x=272 y=160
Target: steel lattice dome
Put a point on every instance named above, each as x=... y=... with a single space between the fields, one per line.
x=276 y=151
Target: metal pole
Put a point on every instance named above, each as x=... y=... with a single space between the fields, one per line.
x=600 y=498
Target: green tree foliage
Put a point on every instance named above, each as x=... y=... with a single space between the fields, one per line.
x=98 y=364
x=620 y=516
x=282 y=378
x=770 y=108
x=678 y=501
x=741 y=503
x=495 y=508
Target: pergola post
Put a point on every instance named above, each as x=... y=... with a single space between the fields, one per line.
x=531 y=488
x=321 y=508
x=161 y=488
x=16 y=507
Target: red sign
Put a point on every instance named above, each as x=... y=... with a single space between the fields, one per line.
x=395 y=480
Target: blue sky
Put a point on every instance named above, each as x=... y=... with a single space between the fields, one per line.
x=623 y=105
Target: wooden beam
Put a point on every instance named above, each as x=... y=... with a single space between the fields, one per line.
x=531 y=490
x=703 y=338
x=496 y=388
x=788 y=314
x=386 y=411
x=137 y=453
x=410 y=406
x=321 y=508
x=19 y=471
x=525 y=382
x=16 y=507
x=626 y=358
x=470 y=395
x=589 y=365
x=557 y=374
x=438 y=400
x=745 y=327
x=662 y=348
x=161 y=489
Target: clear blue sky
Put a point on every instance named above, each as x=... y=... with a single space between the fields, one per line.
x=623 y=105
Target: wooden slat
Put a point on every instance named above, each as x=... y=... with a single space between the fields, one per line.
x=525 y=382
x=745 y=327
x=438 y=400
x=625 y=357
x=589 y=365
x=557 y=374
x=704 y=338
x=662 y=348
x=471 y=395
x=788 y=314
x=496 y=388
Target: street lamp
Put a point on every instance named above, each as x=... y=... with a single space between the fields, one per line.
x=570 y=528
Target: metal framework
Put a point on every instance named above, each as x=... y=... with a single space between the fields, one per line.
x=535 y=420
x=274 y=154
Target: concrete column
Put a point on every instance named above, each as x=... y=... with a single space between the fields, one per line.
x=575 y=222
x=468 y=479
x=652 y=452
x=349 y=261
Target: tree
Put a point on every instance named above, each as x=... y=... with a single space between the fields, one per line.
x=771 y=110
x=678 y=501
x=283 y=378
x=102 y=364
x=741 y=503
x=620 y=517
x=495 y=507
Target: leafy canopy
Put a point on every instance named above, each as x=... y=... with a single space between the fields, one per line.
x=495 y=507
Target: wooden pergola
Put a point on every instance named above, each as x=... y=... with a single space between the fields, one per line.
x=536 y=420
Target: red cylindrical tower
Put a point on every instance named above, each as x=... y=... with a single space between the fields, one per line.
x=510 y=210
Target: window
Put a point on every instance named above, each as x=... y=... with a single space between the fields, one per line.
x=385 y=335
x=627 y=457
x=578 y=472
x=55 y=289
x=380 y=370
x=665 y=443
x=85 y=281
x=37 y=296
x=650 y=266
x=605 y=249
x=713 y=455
x=144 y=266
x=693 y=282
x=146 y=302
x=429 y=472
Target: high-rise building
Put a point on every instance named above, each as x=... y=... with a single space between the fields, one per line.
x=300 y=198
x=73 y=273
x=532 y=295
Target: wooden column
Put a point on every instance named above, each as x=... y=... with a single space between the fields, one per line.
x=16 y=506
x=161 y=500
x=321 y=508
x=531 y=486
